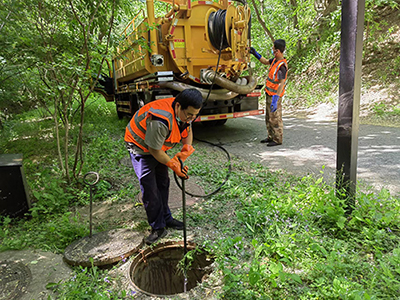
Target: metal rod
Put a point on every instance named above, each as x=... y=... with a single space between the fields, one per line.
x=90 y=212
x=91 y=184
x=184 y=216
x=184 y=234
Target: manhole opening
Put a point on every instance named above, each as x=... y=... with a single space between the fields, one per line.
x=155 y=271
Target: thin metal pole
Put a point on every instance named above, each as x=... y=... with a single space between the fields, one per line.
x=352 y=29
x=90 y=212
x=91 y=184
x=184 y=234
x=184 y=216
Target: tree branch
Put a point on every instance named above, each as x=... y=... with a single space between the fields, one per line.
x=261 y=21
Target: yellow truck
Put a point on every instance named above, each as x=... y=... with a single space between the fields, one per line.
x=196 y=44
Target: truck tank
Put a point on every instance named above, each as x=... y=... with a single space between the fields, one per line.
x=197 y=44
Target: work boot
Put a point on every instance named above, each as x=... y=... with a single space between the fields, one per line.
x=267 y=140
x=155 y=235
x=175 y=224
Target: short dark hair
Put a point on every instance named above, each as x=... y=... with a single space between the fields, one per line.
x=189 y=97
x=280 y=45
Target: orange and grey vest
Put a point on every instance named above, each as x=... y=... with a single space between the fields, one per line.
x=162 y=109
x=272 y=83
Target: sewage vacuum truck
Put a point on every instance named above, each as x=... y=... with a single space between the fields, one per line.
x=197 y=44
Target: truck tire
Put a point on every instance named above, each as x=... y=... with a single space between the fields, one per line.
x=221 y=122
x=120 y=114
x=214 y=123
x=209 y=123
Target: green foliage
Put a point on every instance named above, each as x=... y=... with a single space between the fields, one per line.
x=377 y=3
x=52 y=225
x=50 y=198
x=290 y=238
x=51 y=234
x=53 y=51
x=313 y=47
x=90 y=283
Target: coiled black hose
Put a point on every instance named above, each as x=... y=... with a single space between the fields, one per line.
x=216 y=29
x=221 y=185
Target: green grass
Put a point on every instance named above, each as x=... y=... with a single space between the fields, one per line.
x=274 y=236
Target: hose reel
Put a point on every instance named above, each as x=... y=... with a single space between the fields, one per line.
x=216 y=29
x=223 y=26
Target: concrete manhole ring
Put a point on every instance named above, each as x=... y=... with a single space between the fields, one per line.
x=14 y=279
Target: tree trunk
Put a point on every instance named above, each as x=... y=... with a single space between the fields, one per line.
x=57 y=132
x=261 y=21
x=66 y=154
x=79 y=143
x=293 y=3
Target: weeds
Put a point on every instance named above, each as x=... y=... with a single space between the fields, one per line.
x=90 y=283
x=291 y=239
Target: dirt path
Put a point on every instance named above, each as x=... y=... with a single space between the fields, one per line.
x=309 y=144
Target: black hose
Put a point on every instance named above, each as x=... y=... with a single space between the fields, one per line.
x=219 y=146
x=221 y=185
x=216 y=29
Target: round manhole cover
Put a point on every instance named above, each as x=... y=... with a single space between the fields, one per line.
x=14 y=279
x=105 y=248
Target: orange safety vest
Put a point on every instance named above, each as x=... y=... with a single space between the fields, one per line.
x=272 y=83
x=135 y=131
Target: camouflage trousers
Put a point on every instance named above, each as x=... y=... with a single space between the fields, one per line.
x=273 y=120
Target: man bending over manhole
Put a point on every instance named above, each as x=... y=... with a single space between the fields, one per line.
x=154 y=129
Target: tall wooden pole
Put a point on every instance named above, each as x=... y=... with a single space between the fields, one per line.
x=351 y=46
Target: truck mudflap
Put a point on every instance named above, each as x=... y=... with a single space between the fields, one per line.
x=230 y=115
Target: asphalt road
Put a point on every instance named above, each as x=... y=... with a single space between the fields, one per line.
x=308 y=145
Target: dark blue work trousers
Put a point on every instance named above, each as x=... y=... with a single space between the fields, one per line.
x=154 y=184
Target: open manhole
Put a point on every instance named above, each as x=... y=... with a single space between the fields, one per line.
x=14 y=279
x=155 y=271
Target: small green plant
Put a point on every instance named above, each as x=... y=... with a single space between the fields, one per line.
x=54 y=234
x=90 y=283
x=380 y=108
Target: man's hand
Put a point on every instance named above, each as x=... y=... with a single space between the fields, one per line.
x=274 y=103
x=255 y=53
x=180 y=170
x=186 y=151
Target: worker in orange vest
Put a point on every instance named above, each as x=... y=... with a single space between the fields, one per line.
x=154 y=129
x=275 y=89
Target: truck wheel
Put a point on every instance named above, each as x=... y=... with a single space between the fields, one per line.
x=214 y=123
x=120 y=114
x=209 y=123
x=221 y=122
